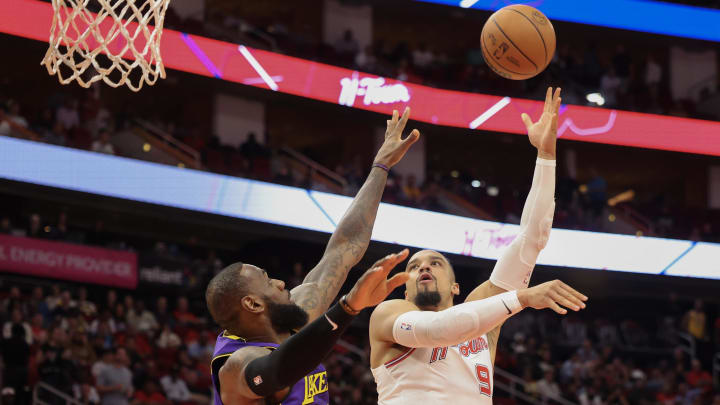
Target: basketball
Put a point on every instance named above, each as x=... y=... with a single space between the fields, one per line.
x=518 y=42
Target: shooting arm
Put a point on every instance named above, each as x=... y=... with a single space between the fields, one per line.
x=346 y=247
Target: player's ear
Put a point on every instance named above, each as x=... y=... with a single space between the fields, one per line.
x=252 y=303
x=455 y=289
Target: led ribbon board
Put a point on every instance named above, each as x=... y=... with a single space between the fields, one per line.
x=645 y=16
x=136 y=180
x=240 y=64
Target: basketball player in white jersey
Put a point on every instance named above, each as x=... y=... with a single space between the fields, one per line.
x=424 y=350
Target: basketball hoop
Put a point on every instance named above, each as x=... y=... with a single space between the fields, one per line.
x=116 y=45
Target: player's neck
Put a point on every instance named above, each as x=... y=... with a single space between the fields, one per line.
x=439 y=307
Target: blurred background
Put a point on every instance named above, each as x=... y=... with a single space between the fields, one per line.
x=646 y=337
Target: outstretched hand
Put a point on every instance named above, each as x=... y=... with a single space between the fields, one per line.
x=394 y=147
x=374 y=286
x=554 y=295
x=543 y=133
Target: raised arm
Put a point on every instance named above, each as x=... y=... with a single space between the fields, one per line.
x=255 y=372
x=514 y=268
x=350 y=240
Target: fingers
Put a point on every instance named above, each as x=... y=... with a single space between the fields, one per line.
x=575 y=301
x=397 y=280
x=562 y=300
x=553 y=123
x=403 y=120
x=411 y=139
x=548 y=100
x=526 y=120
x=573 y=292
x=557 y=100
x=387 y=263
x=555 y=307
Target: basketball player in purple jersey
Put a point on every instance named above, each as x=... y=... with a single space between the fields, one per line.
x=251 y=364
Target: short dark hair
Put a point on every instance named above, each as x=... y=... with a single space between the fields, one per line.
x=224 y=293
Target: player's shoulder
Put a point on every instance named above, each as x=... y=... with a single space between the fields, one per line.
x=392 y=307
x=237 y=361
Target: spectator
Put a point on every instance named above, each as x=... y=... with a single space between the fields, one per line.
x=106 y=359
x=609 y=87
x=411 y=191
x=114 y=383
x=102 y=144
x=85 y=306
x=5 y=226
x=82 y=352
x=653 y=75
x=12 y=301
x=365 y=59
x=141 y=319
x=183 y=316
x=54 y=368
x=347 y=45
x=597 y=193
x=14 y=116
x=297 y=277
x=16 y=321
x=35 y=228
x=423 y=57
x=16 y=358
x=174 y=387
x=697 y=377
x=162 y=315
x=67 y=115
x=39 y=333
x=695 y=321
x=85 y=393
x=60 y=231
x=586 y=353
x=38 y=304
x=547 y=387
x=149 y=395
x=202 y=347
x=251 y=148
x=168 y=339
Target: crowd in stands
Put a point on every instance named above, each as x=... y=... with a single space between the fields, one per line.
x=124 y=348
x=66 y=121
x=626 y=80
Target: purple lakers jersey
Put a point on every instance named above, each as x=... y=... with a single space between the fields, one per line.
x=312 y=389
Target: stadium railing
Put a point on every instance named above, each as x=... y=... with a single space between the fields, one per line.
x=57 y=394
x=168 y=143
x=510 y=383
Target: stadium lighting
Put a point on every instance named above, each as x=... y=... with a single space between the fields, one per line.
x=493 y=191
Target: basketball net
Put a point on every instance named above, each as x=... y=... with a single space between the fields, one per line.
x=110 y=45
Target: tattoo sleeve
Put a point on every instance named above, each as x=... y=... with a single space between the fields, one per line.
x=346 y=247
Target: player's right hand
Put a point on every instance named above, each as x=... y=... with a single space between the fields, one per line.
x=394 y=147
x=552 y=294
x=374 y=286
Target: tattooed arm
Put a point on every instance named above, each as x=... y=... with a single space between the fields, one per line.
x=350 y=240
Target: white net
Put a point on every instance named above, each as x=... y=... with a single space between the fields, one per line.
x=116 y=41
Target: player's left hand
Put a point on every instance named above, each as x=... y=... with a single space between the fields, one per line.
x=394 y=147
x=543 y=134
x=374 y=286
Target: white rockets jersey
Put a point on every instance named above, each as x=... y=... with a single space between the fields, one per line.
x=456 y=375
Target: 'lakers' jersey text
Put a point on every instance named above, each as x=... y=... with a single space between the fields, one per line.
x=458 y=375
x=312 y=389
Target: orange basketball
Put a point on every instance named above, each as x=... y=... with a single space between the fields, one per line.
x=518 y=42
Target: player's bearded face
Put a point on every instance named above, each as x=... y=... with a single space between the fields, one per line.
x=285 y=317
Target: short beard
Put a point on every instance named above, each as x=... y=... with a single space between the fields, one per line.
x=427 y=299
x=286 y=318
